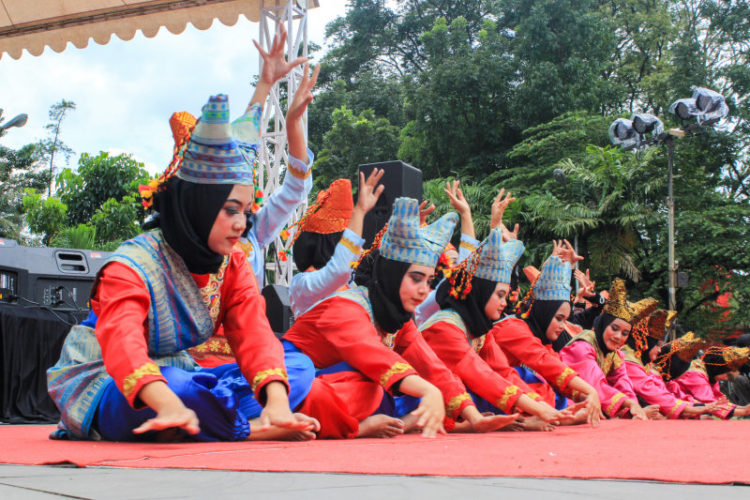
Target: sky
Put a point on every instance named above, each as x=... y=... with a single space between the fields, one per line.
x=125 y=91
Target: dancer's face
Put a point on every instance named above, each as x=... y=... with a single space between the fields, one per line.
x=230 y=222
x=415 y=286
x=616 y=334
x=557 y=324
x=653 y=353
x=498 y=301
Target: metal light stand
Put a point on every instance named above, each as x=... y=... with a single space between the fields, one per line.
x=273 y=151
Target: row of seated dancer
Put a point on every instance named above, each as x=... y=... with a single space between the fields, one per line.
x=178 y=345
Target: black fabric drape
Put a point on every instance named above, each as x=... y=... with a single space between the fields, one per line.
x=30 y=342
x=314 y=249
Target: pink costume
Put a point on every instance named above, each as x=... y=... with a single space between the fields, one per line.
x=606 y=373
x=650 y=387
x=694 y=384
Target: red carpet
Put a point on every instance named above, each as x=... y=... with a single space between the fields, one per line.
x=711 y=452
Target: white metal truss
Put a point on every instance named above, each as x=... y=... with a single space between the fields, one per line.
x=273 y=152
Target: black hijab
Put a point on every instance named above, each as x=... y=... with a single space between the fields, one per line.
x=187 y=212
x=471 y=308
x=650 y=344
x=383 y=287
x=541 y=315
x=715 y=365
x=674 y=364
x=314 y=249
x=600 y=324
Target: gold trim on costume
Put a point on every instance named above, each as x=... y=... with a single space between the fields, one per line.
x=614 y=401
x=131 y=381
x=398 y=367
x=246 y=247
x=534 y=396
x=261 y=376
x=468 y=246
x=510 y=391
x=456 y=402
x=299 y=174
x=677 y=405
x=355 y=249
x=560 y=380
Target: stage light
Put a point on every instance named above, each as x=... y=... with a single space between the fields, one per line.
x=706 y=106
x=685 y=109
x=645 y=123
x=622 y=133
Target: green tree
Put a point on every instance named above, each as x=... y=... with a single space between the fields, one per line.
x=44 y=216
x=19 y=170
x=116 y=221
x=98 y=179
x=352 y=141
x=53 y=144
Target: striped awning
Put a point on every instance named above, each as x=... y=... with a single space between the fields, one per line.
x=35 y=24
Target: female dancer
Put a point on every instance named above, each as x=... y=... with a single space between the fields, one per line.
x=370 y=327
x=527 y=340
x=170 y=289
x=596 y=355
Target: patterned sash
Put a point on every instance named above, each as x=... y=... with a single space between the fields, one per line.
x=179 y=317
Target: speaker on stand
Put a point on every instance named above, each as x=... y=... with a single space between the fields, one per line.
x=399 y=179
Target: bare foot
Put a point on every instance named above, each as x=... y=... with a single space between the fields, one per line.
x=580 y=417
x=536 y=424
x=275 y=433
x=410 y=423
x=380 y=426
x=490 y=423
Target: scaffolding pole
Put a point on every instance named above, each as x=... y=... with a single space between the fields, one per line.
x=274 y=154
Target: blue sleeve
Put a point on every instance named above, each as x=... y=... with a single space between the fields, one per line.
x=306 y=289
x=281 y=204
x=467 y=245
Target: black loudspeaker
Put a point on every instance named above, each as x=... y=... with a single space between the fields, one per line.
x=58 y=278
x=278 y=310
x=400 y=180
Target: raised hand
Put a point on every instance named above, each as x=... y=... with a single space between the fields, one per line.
x=369 y=191
x=275 y=65
x=584 y=280
x=424 y=211
x=303 y=96
x=565 y=251
x=508 y=235
x=499 y=204
x=456 y=197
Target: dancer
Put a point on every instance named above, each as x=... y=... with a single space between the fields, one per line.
x=470 y=301
x=328 y=240
x=595 y=354
x=527 y=340
x=642 y=348
x=699 y=378
x=370 y=328
x=168 y=290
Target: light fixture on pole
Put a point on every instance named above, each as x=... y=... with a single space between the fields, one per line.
x=16 y=121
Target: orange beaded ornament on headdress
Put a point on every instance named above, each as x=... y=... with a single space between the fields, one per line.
x=182 y=124
x=684 y=348
x=731 y=357
x=462 y=274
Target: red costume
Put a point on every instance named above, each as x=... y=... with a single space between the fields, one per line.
x=479 y=362
x=339 y=329
x=522 y=348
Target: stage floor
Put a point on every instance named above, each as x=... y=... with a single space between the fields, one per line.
x=44 y=482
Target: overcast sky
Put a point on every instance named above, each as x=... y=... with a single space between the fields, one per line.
x=125 y=91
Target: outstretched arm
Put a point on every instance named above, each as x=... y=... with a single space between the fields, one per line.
x=275 y=67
